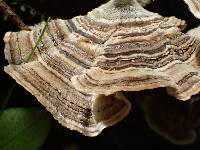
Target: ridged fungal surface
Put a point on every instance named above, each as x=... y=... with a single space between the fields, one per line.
x=194 y=6
x=82 y=65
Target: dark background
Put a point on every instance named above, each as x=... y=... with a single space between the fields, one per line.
x=132 y=132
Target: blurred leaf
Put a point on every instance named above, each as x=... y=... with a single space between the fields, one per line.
x=33 y=12
x=23 y=8
x=23 y=128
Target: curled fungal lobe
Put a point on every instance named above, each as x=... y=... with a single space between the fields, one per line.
x=83 y=64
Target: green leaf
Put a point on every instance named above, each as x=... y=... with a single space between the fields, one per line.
x=23 y=128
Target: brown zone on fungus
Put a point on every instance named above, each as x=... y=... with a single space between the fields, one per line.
x=101 y=55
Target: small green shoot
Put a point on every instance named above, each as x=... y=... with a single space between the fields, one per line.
x=30 y=56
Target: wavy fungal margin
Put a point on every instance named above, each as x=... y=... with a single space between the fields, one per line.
x=82 y=65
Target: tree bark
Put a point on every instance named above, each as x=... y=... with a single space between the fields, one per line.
x=9 y=13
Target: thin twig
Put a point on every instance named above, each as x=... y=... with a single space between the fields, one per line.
x=9 y=13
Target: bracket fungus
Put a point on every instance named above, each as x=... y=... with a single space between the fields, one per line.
x=83 y=65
